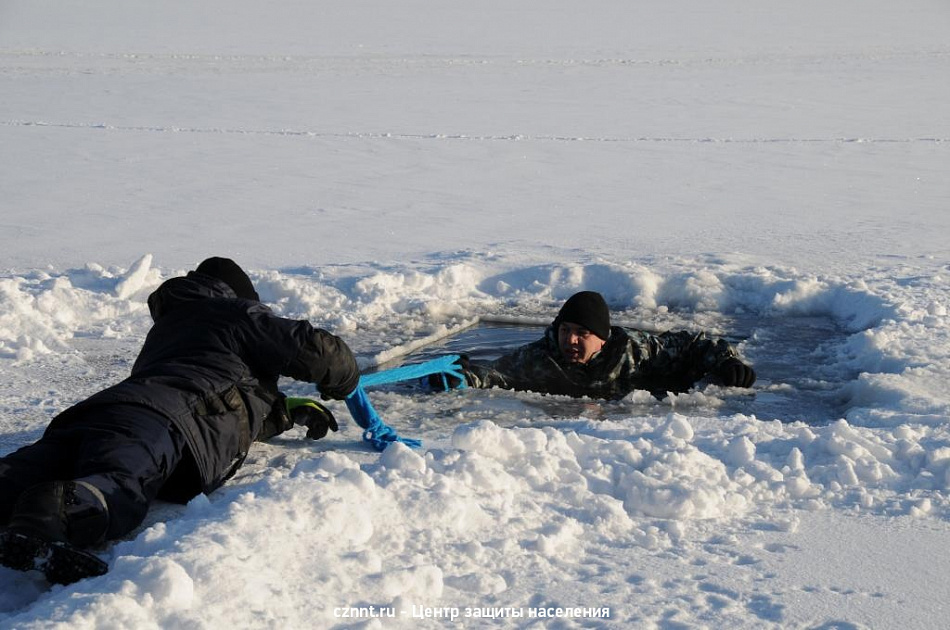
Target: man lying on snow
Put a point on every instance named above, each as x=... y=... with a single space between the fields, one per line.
x=581 y=354
x=203 y=387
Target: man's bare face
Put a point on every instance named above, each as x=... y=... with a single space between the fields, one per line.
x=577 y=343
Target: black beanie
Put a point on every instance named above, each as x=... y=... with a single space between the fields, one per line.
x=587 y=309
x=227 y=270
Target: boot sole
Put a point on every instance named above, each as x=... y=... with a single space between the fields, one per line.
x=59 y=562
x=23 y=553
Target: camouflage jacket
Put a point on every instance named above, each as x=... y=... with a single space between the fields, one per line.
x=631 y=359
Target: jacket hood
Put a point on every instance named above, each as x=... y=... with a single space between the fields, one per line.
x=184 y=289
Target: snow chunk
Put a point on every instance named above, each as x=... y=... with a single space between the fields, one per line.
x=560 y=539
x=487 y=438
x=678 y=427
x=133 y=280
x=398 y=456
x=741 y=451
x=164 y=584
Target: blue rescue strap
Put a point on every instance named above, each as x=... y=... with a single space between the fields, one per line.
x=445 y=365
x=376 y=432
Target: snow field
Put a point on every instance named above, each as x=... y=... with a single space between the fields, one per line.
x=397 y=171
x=471 y=522
x=518 y=492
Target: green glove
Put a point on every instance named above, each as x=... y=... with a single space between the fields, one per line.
x=311 y=414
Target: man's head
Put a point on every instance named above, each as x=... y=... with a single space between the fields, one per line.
x=582 y=326
x=231 y=274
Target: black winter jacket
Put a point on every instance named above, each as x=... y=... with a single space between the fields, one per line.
x=211 y=364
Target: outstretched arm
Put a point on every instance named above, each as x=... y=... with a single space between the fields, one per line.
x=690 y=356
x=325 y=360
x=530 y=367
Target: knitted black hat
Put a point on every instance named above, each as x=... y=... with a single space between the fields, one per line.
x=227 y=270
x=587 y=309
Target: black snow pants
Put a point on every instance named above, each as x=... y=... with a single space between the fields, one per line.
x=128 y=452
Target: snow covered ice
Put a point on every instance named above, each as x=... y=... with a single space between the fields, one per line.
x=395 y=172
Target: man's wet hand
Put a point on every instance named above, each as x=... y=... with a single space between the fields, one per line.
x=444 y=381
x=734 y=373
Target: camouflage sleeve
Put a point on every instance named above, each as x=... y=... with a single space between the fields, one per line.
x=526 y=368
x=682 y=354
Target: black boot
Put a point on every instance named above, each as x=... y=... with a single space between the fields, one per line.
x=50 y=524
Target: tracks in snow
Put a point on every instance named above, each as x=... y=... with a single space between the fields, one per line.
x=131 y=62
x=462 y=137
x=75 y=63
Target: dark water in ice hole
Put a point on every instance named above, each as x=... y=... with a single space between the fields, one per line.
x=794 y=358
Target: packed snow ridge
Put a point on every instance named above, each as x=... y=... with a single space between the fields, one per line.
x=505 y=474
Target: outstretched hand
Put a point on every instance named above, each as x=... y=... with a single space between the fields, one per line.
x=452 y=378
x=734 y=373
x=311 y=414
